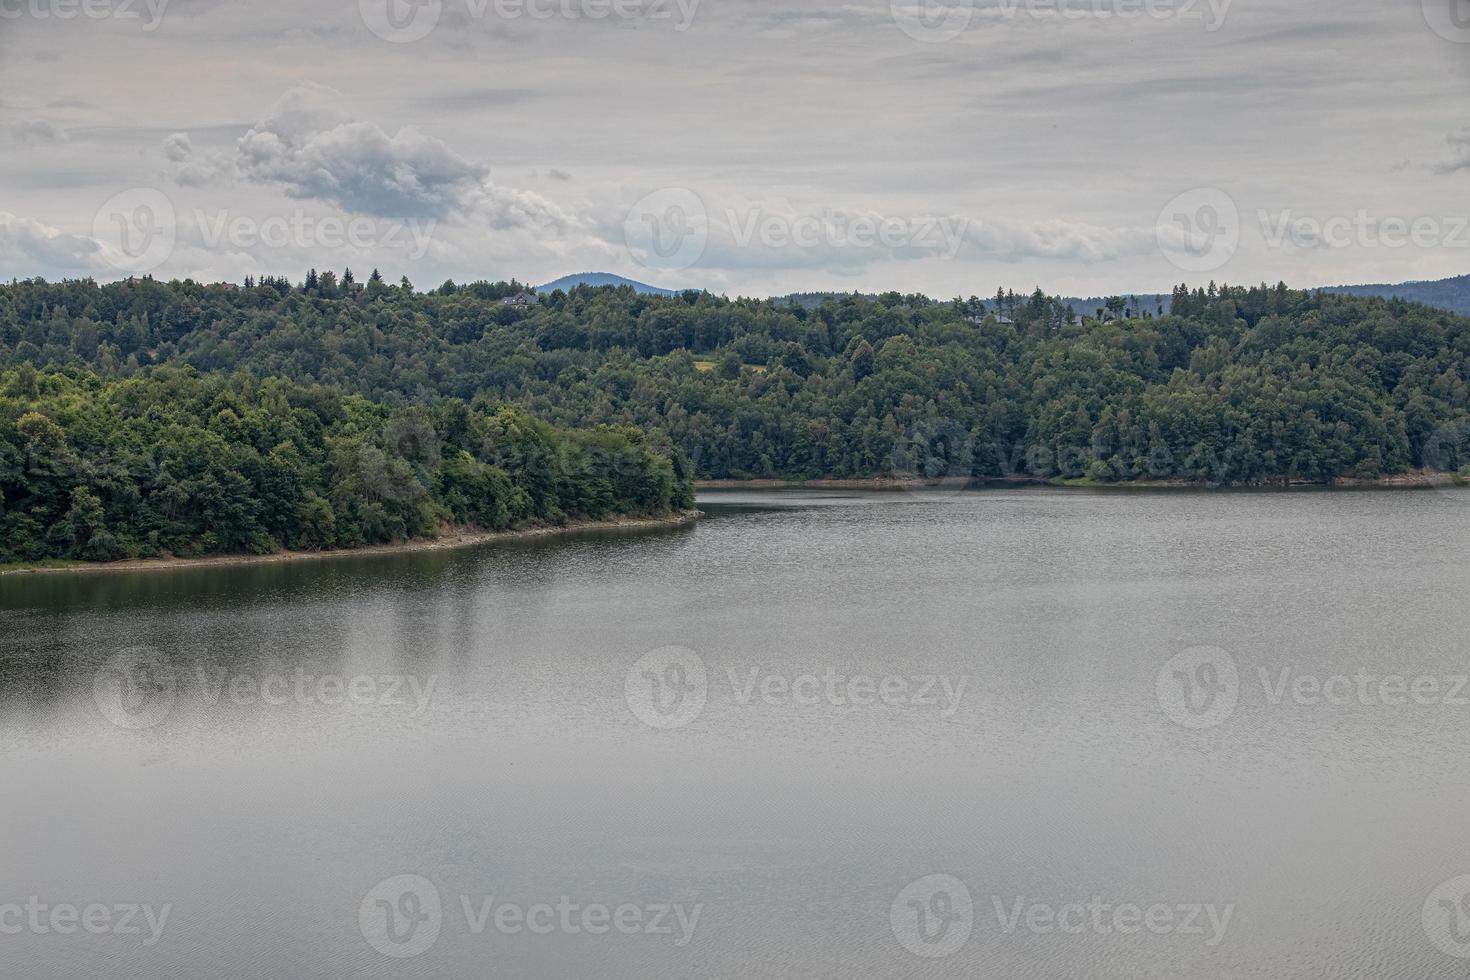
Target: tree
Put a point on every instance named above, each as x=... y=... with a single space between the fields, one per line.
x=862 y=359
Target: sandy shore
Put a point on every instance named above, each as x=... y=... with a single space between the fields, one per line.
x=869 y=483
x=1417 y=480
x=453 y=538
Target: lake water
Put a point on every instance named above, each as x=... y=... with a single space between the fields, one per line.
x=1012 y=734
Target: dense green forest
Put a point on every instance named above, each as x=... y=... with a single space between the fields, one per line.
x=185 y=464
x=1233 y=385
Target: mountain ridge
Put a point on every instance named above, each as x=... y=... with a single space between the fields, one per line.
x=1452 y=294
x=596 y=279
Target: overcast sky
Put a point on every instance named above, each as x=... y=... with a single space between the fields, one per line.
x=746 y=146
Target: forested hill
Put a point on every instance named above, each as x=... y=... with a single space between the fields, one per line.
x=182 y=464
x=1449 y=294
x=1235 y=385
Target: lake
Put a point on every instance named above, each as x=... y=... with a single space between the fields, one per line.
x=1010 y=734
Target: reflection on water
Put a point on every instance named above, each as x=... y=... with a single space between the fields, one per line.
x=837 y=697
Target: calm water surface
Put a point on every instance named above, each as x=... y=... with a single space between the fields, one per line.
x=264 y=750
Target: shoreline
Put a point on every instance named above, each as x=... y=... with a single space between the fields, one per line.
x=1416 y=480
x=453 y=539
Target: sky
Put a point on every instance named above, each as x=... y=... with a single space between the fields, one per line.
x=749 y=147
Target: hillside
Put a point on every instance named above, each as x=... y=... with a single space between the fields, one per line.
x=1235 y=386
x=599 y=279
x=182 y=464
x=1447 y=294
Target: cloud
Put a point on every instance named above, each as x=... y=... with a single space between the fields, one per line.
x=1057 y=239
x=311 y=150
x=555 y=174
x=1053 y=201
x=191 y=169
x=308 y=147
x=34 y=132
x=178 y=147
x=1460 y=143
x=42 y=250
x=848 y=240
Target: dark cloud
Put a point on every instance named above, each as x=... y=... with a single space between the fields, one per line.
x=1460 y=144
x=1061 y=138
x=33 y=132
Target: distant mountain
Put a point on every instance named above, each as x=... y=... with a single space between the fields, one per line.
x=1447 y=294
x=603 y=279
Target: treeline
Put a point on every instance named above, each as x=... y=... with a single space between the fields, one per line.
x=186 y=464
x=1231 y=385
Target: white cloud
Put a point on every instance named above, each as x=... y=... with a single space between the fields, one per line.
x=313 y=151
x=35 y=249
x=192 y=169
x=178 y=147
x=308 y=147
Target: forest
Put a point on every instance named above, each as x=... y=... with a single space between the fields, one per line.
x=175 y=462
x=1232 y=385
